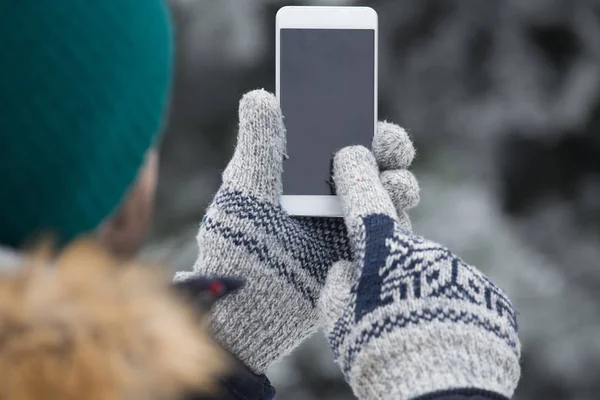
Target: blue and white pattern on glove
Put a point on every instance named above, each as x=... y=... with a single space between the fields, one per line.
x=410 y=318
x=314 y=243
x=283 y=260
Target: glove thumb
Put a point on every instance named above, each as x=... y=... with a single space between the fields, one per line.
x=335 y=295
x=257 y=163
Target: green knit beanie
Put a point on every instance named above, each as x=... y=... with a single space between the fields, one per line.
x=83 y=91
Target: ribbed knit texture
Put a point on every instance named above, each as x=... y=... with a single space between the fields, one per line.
x=83 y=90
x=284 y=260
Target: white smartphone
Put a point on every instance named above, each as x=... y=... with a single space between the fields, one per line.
x=326 y=83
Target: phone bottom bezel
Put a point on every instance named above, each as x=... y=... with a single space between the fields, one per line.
x=312 y=206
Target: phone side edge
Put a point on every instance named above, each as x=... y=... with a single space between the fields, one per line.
x=283 y=14
x=375 y=70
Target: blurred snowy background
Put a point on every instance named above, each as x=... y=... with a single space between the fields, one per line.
x=502 y=99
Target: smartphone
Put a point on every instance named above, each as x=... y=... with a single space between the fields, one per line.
x=326 y=83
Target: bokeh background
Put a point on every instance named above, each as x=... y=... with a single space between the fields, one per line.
x=502 y=99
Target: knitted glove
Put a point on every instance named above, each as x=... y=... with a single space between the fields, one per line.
x=284 y=260
x=409 y=318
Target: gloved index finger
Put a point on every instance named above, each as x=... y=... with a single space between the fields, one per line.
x=358 y=185
x=392 y=147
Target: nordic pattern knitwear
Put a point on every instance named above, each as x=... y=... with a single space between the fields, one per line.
x=245 y=233
x=410 y=318
x=82 y=98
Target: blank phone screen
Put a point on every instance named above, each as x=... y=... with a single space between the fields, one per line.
x=327 y=97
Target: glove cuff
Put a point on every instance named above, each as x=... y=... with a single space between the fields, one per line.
x=413 y=362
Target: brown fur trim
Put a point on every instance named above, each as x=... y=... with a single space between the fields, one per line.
x=96 y=328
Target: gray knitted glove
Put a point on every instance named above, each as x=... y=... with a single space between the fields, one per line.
x=409 y=318
x=284 y=260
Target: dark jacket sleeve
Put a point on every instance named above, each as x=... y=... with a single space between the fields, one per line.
x=463 y=394
x=241 y=384
x=244 y=385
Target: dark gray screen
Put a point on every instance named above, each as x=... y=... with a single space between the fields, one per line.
x=327 y=99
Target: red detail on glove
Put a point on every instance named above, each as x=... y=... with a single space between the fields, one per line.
x=216 y=288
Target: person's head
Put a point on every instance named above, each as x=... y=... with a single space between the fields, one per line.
x=83 y=93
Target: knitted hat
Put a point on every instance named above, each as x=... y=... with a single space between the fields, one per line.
x=83 y=90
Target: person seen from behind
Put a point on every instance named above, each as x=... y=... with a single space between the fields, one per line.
x=83 y=98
